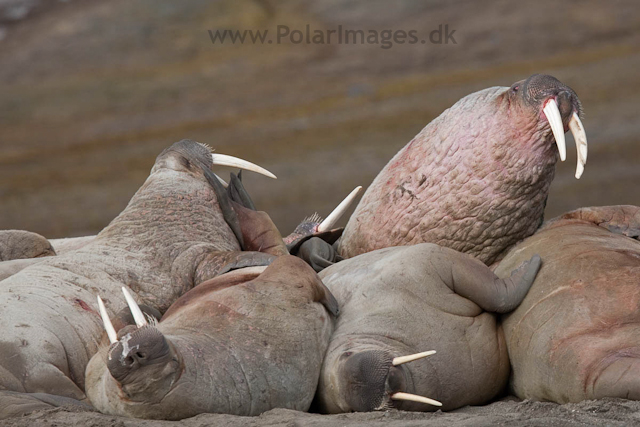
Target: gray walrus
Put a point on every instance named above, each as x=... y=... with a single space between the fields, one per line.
x=177 y=231
x=20 y=244
x=399 y=301
x=476 y=178
x=242 y=343
x=576 y=335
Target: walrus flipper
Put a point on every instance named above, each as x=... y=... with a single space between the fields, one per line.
x=238 y=193
x=16 y=404
x=472 y=279
x=21 y=244
x=622 y=219
x=229 y=214
x=215 y=263
x=318 y=253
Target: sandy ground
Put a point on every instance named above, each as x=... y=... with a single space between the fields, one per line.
x=508 y=412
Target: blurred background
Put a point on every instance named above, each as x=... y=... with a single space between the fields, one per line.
x=92 y=91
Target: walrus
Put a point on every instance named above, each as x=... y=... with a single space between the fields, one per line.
x=400 y=304
x=242 y=343
x=576 y=335
x=178 y=230
x=476 y=178
x=21 y=244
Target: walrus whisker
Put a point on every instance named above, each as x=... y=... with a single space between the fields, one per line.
x=334 y=216
x=410 y=358
x=138 y=316
x=577 y=130
x=111 y=332
x=555 y=121
x=225 y=160
x=414 y=398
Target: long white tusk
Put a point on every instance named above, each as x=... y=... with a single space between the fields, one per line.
x=410 y=358
x=577 y=130
x=222 y=181
x=224 y=160
x=111 y=332
x=555 y=121
x=415 y=398
x=138 y=316
x=334 y=216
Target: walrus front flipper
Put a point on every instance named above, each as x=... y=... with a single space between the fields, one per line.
x=621 y=219
x=16 y=404
x=472 y=279
x=214 y=264
x=318 y=253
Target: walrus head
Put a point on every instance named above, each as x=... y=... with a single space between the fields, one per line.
x=475 y=179
x=373 y=380
x=142 y=361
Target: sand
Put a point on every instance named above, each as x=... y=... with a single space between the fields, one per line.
x=509 y=411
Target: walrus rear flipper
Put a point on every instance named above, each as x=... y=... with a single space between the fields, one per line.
x=238 y=193
x=622 y=219
x=472 y=279
x=229 y=214
x=16 y=404
x=318 y=253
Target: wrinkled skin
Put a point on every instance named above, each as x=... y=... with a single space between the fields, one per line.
x=475 y=179
x=576 y=335
x=171 y=236
x=20 y=244
x=239 y=344
x=405 y=300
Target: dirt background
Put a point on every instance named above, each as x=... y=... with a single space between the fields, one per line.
x=92 y=91
x=602 y=413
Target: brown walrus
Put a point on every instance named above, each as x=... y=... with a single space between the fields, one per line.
x=576 y=335
x=242 y=343
x=476 y=178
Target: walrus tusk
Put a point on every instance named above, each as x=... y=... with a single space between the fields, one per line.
x=410 y=358
x=577 y=130
x=334 y=216
x=224 y=160
x=135 y=310
x=555 y=121
x=415 y=398
x=222 y=181
x=111 y=332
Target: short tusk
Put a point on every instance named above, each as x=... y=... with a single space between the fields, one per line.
x=577 y=130
x=406 y=359
x=111 y=332
x=222 y=181
x=414 y=398
x=555 y=121
x=138 y=316
x=334 y=216
x=224 y=160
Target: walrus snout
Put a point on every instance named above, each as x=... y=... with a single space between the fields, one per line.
x=136 y=350
x=561 y=107
x=374 y=379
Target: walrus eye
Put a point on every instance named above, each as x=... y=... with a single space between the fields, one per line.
x=515 y=88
